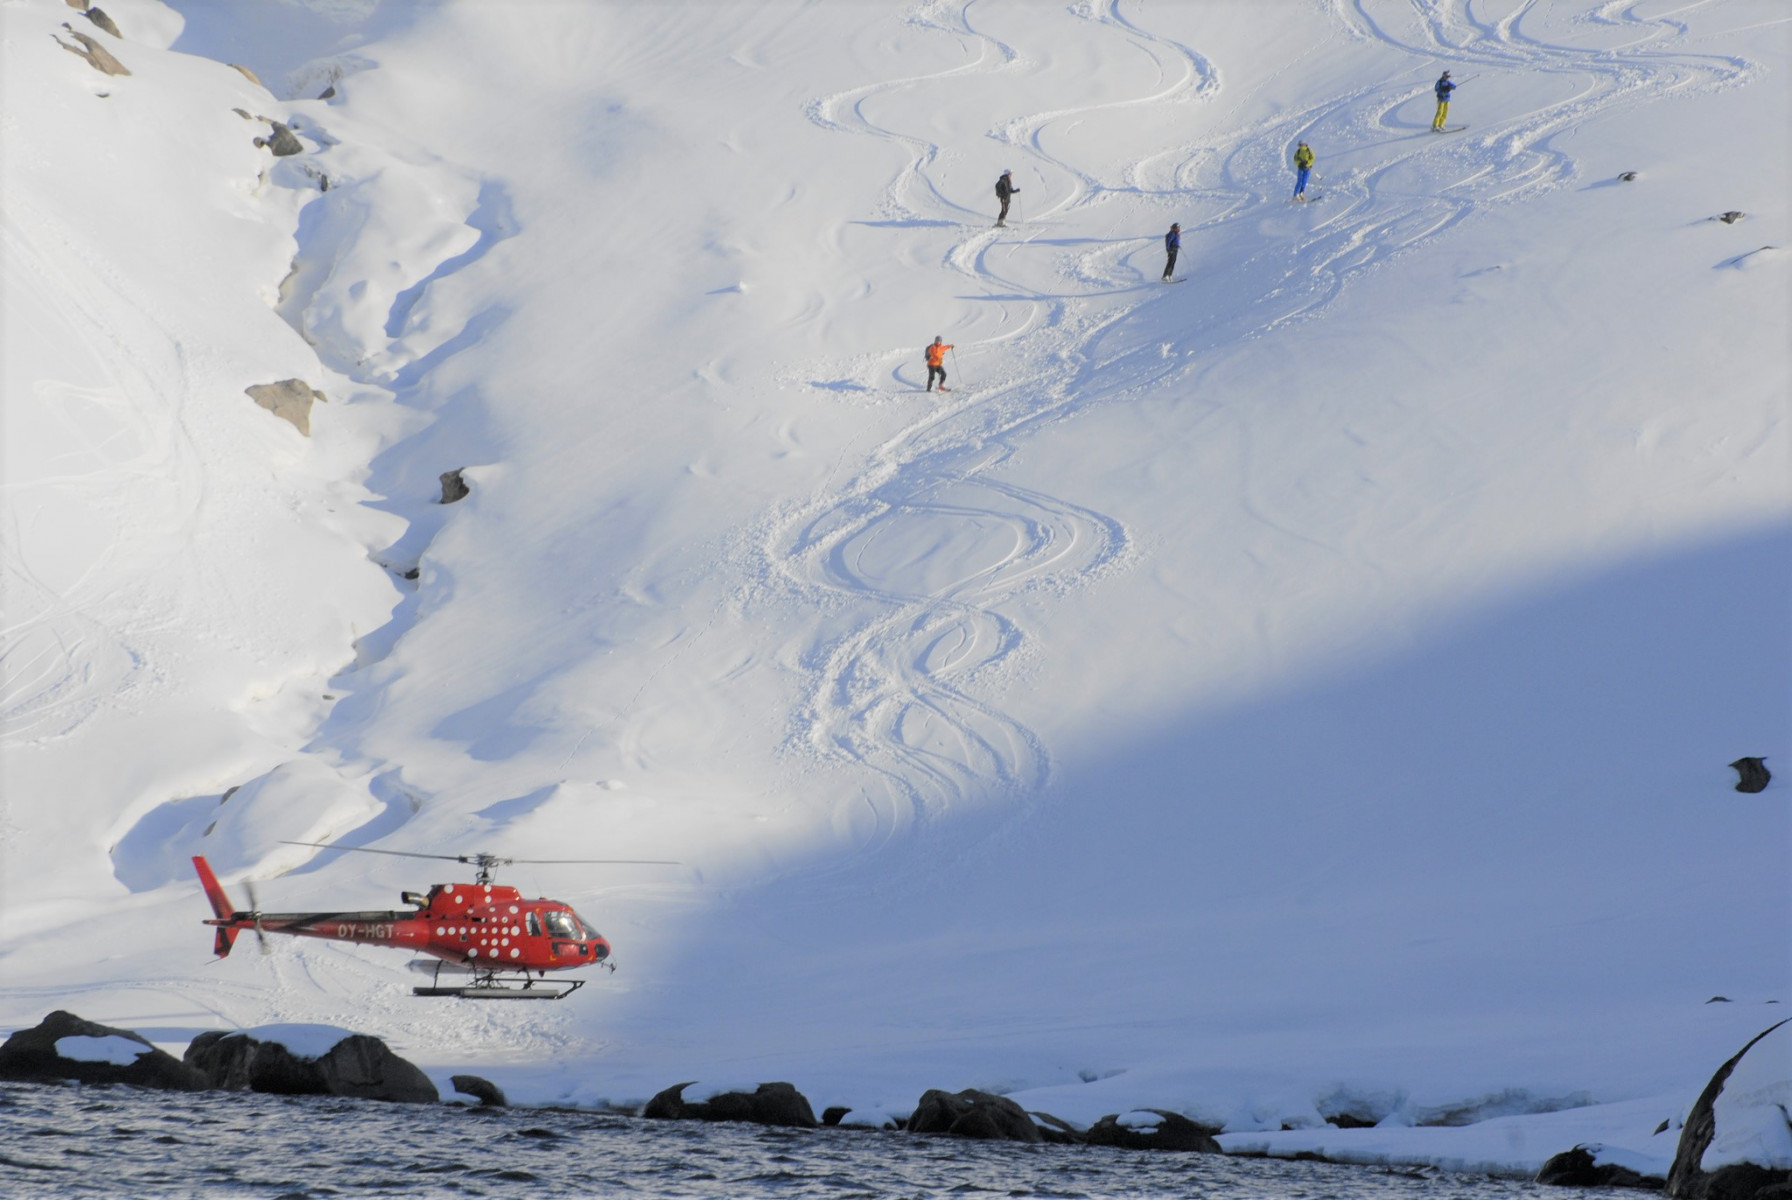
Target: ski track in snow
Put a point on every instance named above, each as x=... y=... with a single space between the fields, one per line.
x=899 y=693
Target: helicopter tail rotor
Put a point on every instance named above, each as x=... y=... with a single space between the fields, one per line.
x=261 y=936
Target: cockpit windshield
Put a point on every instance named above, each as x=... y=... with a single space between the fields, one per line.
x=562 y=925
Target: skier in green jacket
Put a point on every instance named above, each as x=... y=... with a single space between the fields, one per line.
x=1303 y=167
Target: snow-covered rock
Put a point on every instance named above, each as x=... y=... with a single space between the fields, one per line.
x=64 y=1046
x=1738 y=1135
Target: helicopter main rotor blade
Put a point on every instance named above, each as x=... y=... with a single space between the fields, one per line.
x=652 y=862
x=494 y=859
x=369 y=850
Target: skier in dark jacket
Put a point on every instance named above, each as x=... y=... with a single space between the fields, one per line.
x=1172 y=243
x=1443 y=88
x=1004 y=189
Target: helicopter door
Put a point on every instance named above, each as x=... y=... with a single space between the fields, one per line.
x=564 y=934
x=534 y=923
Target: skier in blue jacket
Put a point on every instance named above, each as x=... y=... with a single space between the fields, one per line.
x=1443 y=88
x=1172 y=243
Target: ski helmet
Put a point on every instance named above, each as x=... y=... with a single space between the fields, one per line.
x=1446 y=75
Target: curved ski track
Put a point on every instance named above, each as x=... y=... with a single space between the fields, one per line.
x=898 y=692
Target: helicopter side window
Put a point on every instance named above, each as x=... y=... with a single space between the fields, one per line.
x=534 y=924
x=561 y=925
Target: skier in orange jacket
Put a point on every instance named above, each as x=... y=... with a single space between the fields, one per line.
x=936 y=362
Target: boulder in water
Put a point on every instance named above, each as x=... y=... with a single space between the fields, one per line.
x=489 y=1094
x=354 y=1065
x=973 y=1114
x=1152 y=1129
x=768 y=1104
x=1580 y=1167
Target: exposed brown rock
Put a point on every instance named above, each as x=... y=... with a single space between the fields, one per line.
x=290 y=400
x=97 y=56
x=251 y=76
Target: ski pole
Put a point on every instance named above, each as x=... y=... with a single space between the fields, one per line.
x=954 y=353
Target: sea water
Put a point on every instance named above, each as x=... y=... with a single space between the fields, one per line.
x=65 y=1141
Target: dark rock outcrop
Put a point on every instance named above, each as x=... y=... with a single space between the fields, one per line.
x=973 y=1114
x=1627 y=176
x=290 y=400
x=282 y=141
x=97 y=56
x=98 y=17
x=830 y=1116
x=31 y=1055
x=454 y=487
x=1578 y=1168
x=769 y=1104
x=1173 y=1132
x=1731 y=217
x=489 y=1094
x=358 y=1065
x=1753 y=774
x=1687 y=1178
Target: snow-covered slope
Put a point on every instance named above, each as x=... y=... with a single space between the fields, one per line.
x=1305 y=688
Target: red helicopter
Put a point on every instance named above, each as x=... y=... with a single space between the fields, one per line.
x=487 y=930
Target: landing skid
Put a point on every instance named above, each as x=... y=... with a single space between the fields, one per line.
x=492 y=985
